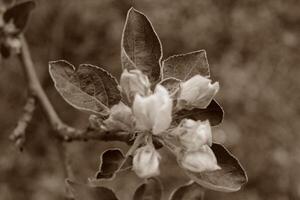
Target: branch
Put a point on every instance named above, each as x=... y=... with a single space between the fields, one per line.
x=18 y=135
x=62 y=130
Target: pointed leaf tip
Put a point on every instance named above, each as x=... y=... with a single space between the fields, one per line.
x=140 y=47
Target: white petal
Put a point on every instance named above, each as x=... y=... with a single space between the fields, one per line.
x=201 y=160
x=140 y=113
x=163 y=115
x=197 y=92
x=146 y=162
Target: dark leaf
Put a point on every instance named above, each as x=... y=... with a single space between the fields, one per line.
x=87 y=88
x=86 y=192
x=5 y=51
x=19 y=14
x=185 y=66
x=140 y=46
x=190 y=191
x=150 y=190
x=229 y=178
x=214 y=113
x=111 y=160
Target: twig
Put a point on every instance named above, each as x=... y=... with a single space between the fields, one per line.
x=62 y=130
x=18 y=136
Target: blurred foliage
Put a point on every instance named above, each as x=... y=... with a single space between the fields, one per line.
x=253 y=48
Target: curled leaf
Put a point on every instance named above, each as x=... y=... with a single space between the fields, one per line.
x=172 y=85
x=185 y=66
x=19 y=14
x=214 y=113
x=190 y=191
x=111 y=160
x=229 y=178
x=150 y=190
x=86 y=192
x=140 y=45
x=87 y=87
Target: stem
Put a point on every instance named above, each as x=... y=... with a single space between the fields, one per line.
x=61 y=130
x=18 y=136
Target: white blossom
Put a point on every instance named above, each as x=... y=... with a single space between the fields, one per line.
x=194 y=134
x=200 y=160
x=153 y=112
x=134 y=82
x=146 y=162
x=120 y=118
x=197 y=92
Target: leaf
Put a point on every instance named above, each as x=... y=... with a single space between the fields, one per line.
x=229 y=178
x=111 y=160
x=185 y=66
x=214 y=113
x=150 y=190
x=190 y=191
x=19 y=14
x=140 y=45
x=172 y=85
x=86 y=192
x=87 y=88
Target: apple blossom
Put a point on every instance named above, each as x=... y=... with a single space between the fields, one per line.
x=146 y=161
x=200 y=160
x=197 y=92
x=194 y=134
x=134 y=82
x=153 y=112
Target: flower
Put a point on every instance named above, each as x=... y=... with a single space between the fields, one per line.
x=134 y=82
x=200 y=160
x=153 y=112
x=120 y=118
x=194 y=134
x=197 y=92
x=146 y=161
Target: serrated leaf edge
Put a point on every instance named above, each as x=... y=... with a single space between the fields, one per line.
x=185 y=54
x=151 y=25
x=105 y=112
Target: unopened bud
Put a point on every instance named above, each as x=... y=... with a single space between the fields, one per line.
x=134 y=82
x=197 y=92
x=146 y=161
x=201 y=160
x=194 y=134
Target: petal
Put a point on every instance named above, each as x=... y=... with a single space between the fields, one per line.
x=197 y=92
x=140 y=113
x=146 y=161
x=163 y=116
x=201 y=160
x=120 y=118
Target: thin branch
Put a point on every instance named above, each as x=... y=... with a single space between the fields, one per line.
x=62 y=130
x=18 y=136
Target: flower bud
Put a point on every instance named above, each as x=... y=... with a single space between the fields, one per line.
x=194 y=134
x=197 y=92
x=134 y=82
x=120 y=118
x=146 y=162
x=153 y=112
x=201 y=160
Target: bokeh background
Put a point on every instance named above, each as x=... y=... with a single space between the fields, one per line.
x=253 y=48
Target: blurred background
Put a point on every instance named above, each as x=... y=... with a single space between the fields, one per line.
x=253 y=49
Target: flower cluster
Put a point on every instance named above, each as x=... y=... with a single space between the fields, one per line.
x=151 y=114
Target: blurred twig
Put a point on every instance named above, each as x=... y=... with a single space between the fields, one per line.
x=63 y=131
x=19 y=133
